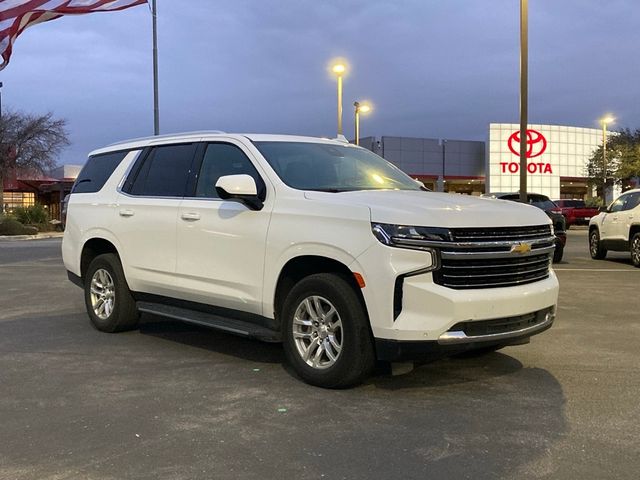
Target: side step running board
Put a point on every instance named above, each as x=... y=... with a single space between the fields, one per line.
x=237 y=327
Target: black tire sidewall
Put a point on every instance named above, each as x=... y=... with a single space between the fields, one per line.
x=558 y=252
x=356 y=356
x=123 y=315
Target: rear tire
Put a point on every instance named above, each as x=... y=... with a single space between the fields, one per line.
x=597 y=251
x=635 y=250
x=326 y=332
x=109 y=302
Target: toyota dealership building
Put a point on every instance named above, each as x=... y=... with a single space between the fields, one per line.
x=557 y=160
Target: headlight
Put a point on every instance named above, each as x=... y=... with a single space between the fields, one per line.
x=425 y=239
x=407 y=236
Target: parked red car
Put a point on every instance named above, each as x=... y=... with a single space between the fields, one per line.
x=576 y=212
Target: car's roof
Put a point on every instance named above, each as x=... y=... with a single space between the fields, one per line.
x=142 y=142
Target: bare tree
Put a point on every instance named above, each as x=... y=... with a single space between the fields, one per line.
x=29 y=143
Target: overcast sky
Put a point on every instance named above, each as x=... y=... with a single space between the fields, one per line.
x=440 y=69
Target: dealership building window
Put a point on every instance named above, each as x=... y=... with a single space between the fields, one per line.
x=14 y=200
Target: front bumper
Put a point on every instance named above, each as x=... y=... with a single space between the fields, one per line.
x=497 y=332
x=425 y=312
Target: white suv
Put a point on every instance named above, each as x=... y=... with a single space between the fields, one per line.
x=617 y=228
x=315 y=243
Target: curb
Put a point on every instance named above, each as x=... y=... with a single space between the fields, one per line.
x=39 y=236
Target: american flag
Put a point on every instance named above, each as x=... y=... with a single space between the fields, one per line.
x=16 y=15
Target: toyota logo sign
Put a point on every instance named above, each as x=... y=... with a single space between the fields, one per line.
x=536 y=143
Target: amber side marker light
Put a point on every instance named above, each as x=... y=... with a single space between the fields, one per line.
x=359 y=279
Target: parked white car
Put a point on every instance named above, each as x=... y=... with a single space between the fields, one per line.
x=316 y=243
x=617 y=228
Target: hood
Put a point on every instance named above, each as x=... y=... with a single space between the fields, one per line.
x=431 y=209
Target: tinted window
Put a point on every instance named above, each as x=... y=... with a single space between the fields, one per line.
x=570 y=203
x=618 y=205
x=97 y=171
x=633 y=199
x=222 y=159
x=165 y=171
x=539 y=201
x=542 y=202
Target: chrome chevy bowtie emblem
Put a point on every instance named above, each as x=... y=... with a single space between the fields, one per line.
x=521 y=248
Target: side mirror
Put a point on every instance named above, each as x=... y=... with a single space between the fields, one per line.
x=241 y=188
x=603 y=209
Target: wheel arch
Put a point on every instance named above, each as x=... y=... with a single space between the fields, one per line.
x=299 y=267
x=91 y=249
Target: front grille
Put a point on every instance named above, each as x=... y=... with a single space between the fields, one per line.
x=499 y=233
x=484 y=257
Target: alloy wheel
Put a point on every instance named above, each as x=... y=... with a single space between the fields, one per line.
x=317 y=332
x=593 y=244
x=103 y=294
x=635 y=250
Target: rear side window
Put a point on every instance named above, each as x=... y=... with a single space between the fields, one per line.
x=165 y=171
x=97 y=171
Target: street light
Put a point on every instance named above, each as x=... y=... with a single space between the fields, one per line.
x=360 y=108
x=339 y=69
x=605 y=121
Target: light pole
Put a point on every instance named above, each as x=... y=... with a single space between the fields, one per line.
x=444 y=150
x=524 y=93
x=605 y=121
x=360 y=108
x=339 y=69
x=156 y=107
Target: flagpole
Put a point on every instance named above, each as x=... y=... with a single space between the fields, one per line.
x=156 y=108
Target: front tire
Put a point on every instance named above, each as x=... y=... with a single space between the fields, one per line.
x=558 y=252
x=109 y=302
x=635 y=250
x=326 y=332
x=597 y=251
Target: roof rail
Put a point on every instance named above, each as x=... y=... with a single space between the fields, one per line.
x=167 y=135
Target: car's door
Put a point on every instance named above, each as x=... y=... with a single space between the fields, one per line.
x=613 y=221
x=628 y=214
x=147 y=209
x=221 y=243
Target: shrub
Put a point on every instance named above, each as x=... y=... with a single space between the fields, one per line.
x=9 y=226
x=32 y=214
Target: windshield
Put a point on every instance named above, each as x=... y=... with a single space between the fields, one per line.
x=333 y=168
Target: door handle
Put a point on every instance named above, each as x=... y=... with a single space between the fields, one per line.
x=190 y=216
x=126 y=213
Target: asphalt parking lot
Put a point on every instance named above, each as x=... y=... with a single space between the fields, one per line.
x=174 y=401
